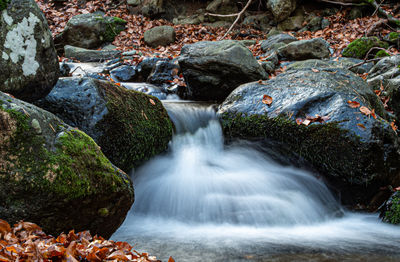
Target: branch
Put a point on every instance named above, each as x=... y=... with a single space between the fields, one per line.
x=341 y=3
x=389 y=17
x=237 y=18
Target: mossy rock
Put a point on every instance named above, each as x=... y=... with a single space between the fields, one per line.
x=57 y=176
x=356 y=153
x=129 y=126
x=381 y=53
x=89 y=31
x=391 y=211
x=360 y=47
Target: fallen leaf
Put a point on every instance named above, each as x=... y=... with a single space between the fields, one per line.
x=393 y=125
x=170 y=259
x=315 y=70
x=353 y=104
x=267 y=100
x=365 y=110
x=152 y=102
x=299 y=121
x=361 y=126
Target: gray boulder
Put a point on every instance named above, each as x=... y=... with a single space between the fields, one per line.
x=56 y=176
x=123 y=73
x=387 y=73
x=89 y=31
x=343 y=62
x=159 y=36
x=87 y=55
x=281 y=9
x=356 y=152
x=305 y=49
x=129 y=126
x=28 y=60
x=214 y=69
x=272 y=41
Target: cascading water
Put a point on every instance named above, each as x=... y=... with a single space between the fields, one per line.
x=205 y=196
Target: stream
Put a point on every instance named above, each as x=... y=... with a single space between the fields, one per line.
x=206 y=201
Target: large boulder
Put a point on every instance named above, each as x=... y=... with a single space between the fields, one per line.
x=281 y=9
x=88 y=55
x=305 y=49
x=56 y=176
x=28 y=60
x=159 y=36
x=129 y=126
x=386 y=74
x=89 y=31
x=308 y=113
x=214 y=69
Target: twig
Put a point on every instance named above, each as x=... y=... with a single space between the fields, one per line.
x=237 y=18
x=341 y=3
x=376 y=9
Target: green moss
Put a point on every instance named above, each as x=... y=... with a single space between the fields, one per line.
x=394 y=36
x=73 y=168
x=326 y=146
x=381 y=53
x=115 y=25
x=136 y=128
x=119 y=20
x=3 y=4
x=393 y=214
x=360 y=47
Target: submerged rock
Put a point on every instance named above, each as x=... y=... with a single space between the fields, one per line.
x=57 y=176
x=129 y=126
x=28 y=60
x=356 y=152
x=213 y=69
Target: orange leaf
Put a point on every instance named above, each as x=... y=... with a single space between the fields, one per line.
x=353 y=104
x=4 y=227
x=152 y=102
x=365 y=110
x=267 y=100
x=170 y=259
x=361 y=126
x=299 y=121
x=315 y=70
x=394 y=127
x=373 y=113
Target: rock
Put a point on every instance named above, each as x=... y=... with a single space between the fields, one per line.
x=386 y=74
x=145 y=67
x=152 y=8
x=355 y=13
x=393 y=38
x=89 y=31
x=129 y=126
x=213 y=69
x=87 y=55
x=281 y=9
x=270 y=43
x=305 y=49
x=314 y=24
x=292 y=23
x=159 y=36
x=360 y=47
x=124 y=73
x=343 y=63
x=260 y=22
x=223 y=24
x=56 y=176
x=163 y=73
x=28 y=61
x=269 y=67
x=391 y=209
x=355 y=152
x=222 y=7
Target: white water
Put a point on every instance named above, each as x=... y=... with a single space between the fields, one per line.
x=234 y=204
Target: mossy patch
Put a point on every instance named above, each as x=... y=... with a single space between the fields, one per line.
x=3 y=4
x=392 y=215
x=381 y=53
x=393 y=36
x=136 y=127
x=360 y=47
x=115 y=25
x=72 y=168
x=327 y=147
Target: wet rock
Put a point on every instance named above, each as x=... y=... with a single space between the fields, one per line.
x=292 y=23
x=28 y=61
x=355 y=152
x=213 y=69
x=87 y=55
x=260 y=22
x=163 y=72
x=145 y=67
x=343 y=62
x=390 y=212
x=129 y=126
x=223 y=7
x=305 y=49
x=159 y=36
x=89 y=31
x=124 y=73
x=270 y=43
x=148 y=89
x=56 y=176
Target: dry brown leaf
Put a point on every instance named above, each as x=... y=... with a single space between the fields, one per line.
x=267 y=100
x=353 y=104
